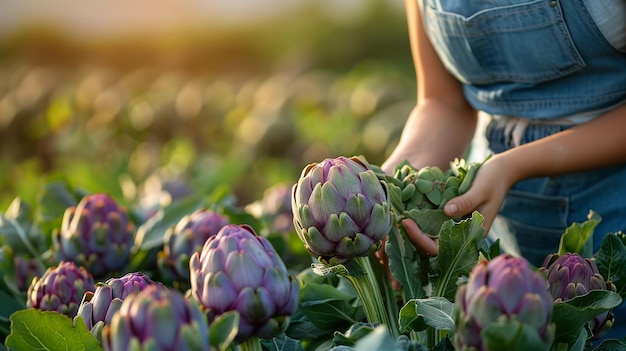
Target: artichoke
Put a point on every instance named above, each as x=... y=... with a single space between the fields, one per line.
x=157 y=318
x=237 y=270
x=274 y=209
x=97 y=307
x=187 y=237
x=25 y=270
x=503 y=291
x=341 y=209
x=60 y=288
x=96 y=234
x=570 y=275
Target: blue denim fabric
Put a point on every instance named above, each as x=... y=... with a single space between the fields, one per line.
x=527 y=58
x=537 y=211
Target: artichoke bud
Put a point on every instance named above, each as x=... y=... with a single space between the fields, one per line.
x=341 y=209
x=237 y=270
x=96 y=234
x=570 y=275
x=504 y=291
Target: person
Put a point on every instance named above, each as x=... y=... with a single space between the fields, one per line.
x=549 y=79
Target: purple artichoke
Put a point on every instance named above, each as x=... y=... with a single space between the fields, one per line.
x=505 y=289
x=97 y=307
x=186 y=238
x=60 y=289
x=341 y=209
x=570 y=275
x=96 y=234
x=157 y=318
x=276 y=208
x=237 y=270
x=25 y=270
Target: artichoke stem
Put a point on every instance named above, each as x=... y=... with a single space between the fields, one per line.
x=253 y=343
x=369 y=292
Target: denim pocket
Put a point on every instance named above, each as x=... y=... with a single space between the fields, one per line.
x=523 y=41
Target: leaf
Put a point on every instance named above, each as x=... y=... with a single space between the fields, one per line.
x=611 y=345
x=33 y=329
x=611 y=260
x=403 y=263
x=326 y=307
x=572 y=315
x=409 y=320
x=281 y=343
x=223 y=330
x=459 y=246
x=150 y=234
x=576 y=235
x=19 y=232
x=56 y=197
x=437 y=312
x=378 y=340
x=430 y=221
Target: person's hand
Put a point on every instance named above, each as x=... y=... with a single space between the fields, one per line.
x=486 y=194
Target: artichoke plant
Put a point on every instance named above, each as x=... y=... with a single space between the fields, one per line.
x=237 y=270
x=96 y=234
x=25 y=270
x=187 y=237
x=157 y=318
x=570 y=275
x=502 y=294
x=97 y=307
x=341 y=209
x=60 y=288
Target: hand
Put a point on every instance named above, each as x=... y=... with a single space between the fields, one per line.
x=486 y=194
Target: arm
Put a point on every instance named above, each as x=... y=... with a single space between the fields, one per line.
x=595 y=144
x=442 y=124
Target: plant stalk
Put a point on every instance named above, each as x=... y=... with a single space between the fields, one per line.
x=253 y=343
x=369 y=292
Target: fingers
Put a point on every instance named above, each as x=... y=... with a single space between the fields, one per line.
x=422 y=242
x=459 y=206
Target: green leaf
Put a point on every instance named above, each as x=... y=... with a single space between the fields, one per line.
x=223 y=330
x=19 y=232
x=511 y=335
x=409 y=320
x=32 y=329
x=572 y=315
x=611 y=345
x=459 y=247
x=403 y=263
x=56 y=197
x=378 y=340
x=430 y=221
x=150 y=234
x=611 y=260
x=578 y=234
x=326 y=307
x=437 y=312
x=281 y=343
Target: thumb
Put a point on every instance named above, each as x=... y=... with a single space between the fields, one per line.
x=459 y=206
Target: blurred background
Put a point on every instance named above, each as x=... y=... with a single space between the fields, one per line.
x=116 y=95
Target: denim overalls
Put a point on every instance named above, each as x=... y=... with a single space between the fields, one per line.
x=541 y=61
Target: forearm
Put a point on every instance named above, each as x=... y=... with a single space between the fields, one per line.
x=595 y=144
x=435 y=133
